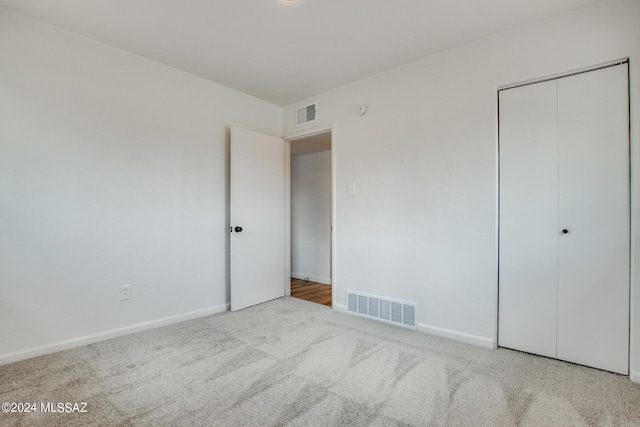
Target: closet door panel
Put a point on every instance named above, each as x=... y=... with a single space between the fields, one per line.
x=593 y=275
x=528 y=219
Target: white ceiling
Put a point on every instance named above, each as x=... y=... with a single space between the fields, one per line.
x=284 y=52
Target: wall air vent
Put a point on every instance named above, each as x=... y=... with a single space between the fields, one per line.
x=387 y=310
x=306 y=114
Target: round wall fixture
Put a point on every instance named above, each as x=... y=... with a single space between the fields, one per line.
x=362 y=109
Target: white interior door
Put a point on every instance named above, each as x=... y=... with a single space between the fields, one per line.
x=257 y=207
x=564 y=219
x=593 y=279
x=528 y=218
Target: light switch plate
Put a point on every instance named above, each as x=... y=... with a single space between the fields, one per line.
x=125 y=292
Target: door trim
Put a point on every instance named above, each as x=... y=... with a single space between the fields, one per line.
x=566 y=74
x=287 y=198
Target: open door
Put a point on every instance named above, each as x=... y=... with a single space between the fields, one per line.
x=257 y=211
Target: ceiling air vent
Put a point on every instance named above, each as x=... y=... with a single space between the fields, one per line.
x=306 y=114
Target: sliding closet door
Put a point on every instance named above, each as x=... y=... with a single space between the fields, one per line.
x=593 y=275
x=528 y=218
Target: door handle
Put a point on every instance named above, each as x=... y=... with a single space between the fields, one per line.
x=238 y=229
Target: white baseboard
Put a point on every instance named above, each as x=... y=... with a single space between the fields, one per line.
x=635 y=376
x=318 y=279
x=457 y=336
x=444 y=333
x=101 y=336
x=340 y=308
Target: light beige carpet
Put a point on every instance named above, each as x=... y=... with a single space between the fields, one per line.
x=294 y=363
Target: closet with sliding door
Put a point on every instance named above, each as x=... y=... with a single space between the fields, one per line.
x=564 y=218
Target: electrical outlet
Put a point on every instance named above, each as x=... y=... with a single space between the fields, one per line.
x=125 y=292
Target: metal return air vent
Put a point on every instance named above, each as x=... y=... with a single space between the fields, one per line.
x=306 y=114
x=388 y=310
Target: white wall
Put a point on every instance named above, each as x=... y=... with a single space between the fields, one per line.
x=113 y=170
x=311 y=216
x=423 y=225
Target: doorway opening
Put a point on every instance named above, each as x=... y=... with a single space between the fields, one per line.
x=311 y=218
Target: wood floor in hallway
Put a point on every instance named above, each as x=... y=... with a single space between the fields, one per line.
x=311 y=291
